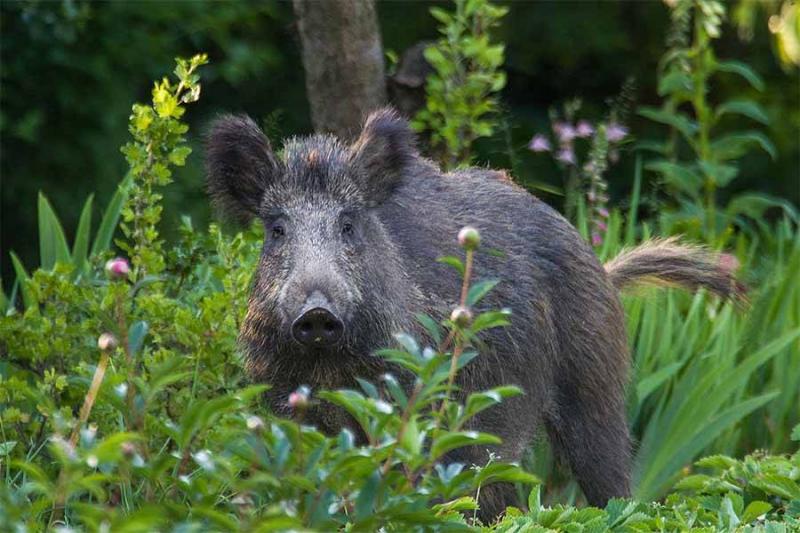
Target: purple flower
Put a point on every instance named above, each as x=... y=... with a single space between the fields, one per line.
x=539 y=143
x=597 y=240
x=584 y=129
x=603 y=212
x=616 y=132
x=566 y=155
x=601 y=225
x=564 y=131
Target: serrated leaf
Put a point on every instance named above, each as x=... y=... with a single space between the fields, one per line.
x=774 y=484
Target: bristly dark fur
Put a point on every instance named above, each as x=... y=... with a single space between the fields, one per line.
x=239 y=165
x=383 y=152
x=667 y=262
x=566 y=346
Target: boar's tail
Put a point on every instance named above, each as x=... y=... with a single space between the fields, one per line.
x=668 y=263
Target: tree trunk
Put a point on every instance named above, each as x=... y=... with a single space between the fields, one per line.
x=343 y=61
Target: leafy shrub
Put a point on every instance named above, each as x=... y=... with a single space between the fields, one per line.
x=460 y=92
x=700 y=155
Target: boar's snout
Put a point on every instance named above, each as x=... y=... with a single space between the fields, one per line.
x=317 y=325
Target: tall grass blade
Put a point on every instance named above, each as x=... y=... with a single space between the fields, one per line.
x=52 y=243
x=80 y=248
x=108 y=224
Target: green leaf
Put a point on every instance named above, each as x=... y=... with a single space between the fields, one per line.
x=755 y=204
x=52 y=243
x=365 y=502
x=677 y=120
x=796 y=433
x=674 y=82
x=678 y=176
x=108 y=225
x=754 y=510
x=491 y=319
x=460 y=439
x=454 y=262
x=721 y=174
x=28 y=299
x=745 y=108
x=719 y=462
x=6 y=447
x=136 y=335
x=735 y=145
x=478 y=290
x=737 y=67
x=80 y=248
x=431 y=327
x=774 y=484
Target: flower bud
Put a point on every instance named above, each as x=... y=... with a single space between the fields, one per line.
x=299 y=399
x=461 y=316
x=118 y=268
x=469 y=238
x=107 y=342
x=128 y=448
x=255 y=422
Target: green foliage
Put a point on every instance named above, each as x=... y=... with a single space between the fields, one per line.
x=461 y=91
x=158 y=144
x=760 y=493
x=701 y=154
x=53 y=246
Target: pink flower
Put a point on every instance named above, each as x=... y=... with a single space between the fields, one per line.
x=603 y=212
x=616 y=132
x=601 y=225
x=597 y=240
x=566 y=155
x=118 y=268
x=564 y=131
x=584 y=129
x=539 y=143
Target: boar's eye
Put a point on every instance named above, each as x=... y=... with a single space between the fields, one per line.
x=347 y=228
x=277 y=231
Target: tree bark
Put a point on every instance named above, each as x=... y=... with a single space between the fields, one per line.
x=343 y=62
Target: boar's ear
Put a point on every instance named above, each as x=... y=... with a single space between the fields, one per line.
x=383 y=152
x=239 y=165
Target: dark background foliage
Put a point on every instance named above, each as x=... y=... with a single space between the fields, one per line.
x=70 y=70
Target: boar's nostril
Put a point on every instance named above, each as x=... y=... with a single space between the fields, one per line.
x=317 y=327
